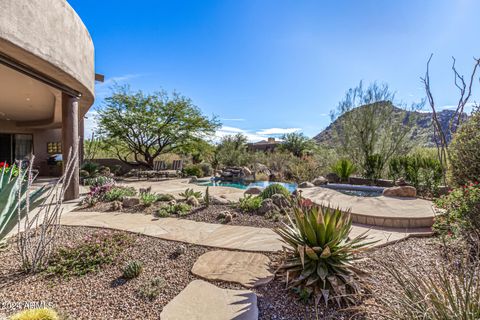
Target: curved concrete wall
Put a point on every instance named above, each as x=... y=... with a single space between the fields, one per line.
x=49 y=36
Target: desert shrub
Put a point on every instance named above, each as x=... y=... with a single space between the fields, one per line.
x=249 y=203
x=191 y=193
x=302 y=169
x=462 y=207
x=420 y=169
x=343 y=168
x=89 y=255
x=90 y=167
x=373 y=167
x=97 y=191
x=320 y=252
x=118 y=193
x=151 y=289
x=36 y=314
x=193 y=170
x=275 y=188
x=434 y=295
x=464 y=152
x=165 y=197
x=207 y=169
x=179 y=208
x=148 y=198
x=99 y=181
x=132 y=269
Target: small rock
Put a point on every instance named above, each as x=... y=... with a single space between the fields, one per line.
x=172 y=202
x=234 y=214
x=332 y=178
x=280 y=201
x=319 y=181
x=401 y=182
x=228 y=218
x=130 y=201
x=116 y=206
x=218 y=200
x=193 y=201
x=267 y=205
x=246 y=171
x=306 y=184
x=404 y=192
x=181 y=249
x=145 y=190
x=193 y=179
x=253 y=190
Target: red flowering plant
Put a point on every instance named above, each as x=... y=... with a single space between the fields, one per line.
x=462 y=206
x=8 y=169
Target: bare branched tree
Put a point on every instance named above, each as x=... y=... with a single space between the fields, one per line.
x=38 y=230
x=465 y=93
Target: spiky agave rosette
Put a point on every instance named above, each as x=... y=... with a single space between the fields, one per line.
x=320 y=253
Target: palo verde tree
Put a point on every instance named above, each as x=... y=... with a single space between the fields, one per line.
x=370 y=129
x=140 y=127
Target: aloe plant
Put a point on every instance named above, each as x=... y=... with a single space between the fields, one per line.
x=14 y=197
x=320 y=252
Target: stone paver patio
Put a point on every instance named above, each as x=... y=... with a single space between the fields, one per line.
x=214 y=235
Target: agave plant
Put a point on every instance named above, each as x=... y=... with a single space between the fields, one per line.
x=320 y=253
x=15 y=196
x=191 y=193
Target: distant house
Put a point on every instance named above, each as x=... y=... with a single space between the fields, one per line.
x=268 y=145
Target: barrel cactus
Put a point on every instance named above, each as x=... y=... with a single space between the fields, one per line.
x=15 y=195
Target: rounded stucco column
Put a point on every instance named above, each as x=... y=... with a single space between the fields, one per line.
x=70 y=137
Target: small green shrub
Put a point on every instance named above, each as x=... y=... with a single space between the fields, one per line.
x=249 y=203
x=36 y=314
x=165 y=197
x=343 y=168
x=132 y=269
x=89 y=256
x=151 y=290
x=462 y=207
x=147 y=198
x=118 y=193
x=90 y=167
x=99 y=181
x=275 y=188
x=179 y=209
x=373 y=167
x=321 y=253
x=191 y=193
x=193 y=170
x=464 y=152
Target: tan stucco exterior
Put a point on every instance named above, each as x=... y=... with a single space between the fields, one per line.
x=49 y=36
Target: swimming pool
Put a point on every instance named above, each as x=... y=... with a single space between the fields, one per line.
x=239 y=185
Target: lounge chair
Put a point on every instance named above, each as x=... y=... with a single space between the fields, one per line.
x=158 y=167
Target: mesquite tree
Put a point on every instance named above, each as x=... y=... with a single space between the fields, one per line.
x=465 y=92
x=141 y=127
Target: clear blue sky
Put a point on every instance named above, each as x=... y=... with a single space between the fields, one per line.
x=272 y=66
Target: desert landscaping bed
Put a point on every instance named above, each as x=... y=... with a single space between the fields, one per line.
x=105 y=293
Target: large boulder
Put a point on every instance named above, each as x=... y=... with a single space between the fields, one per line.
x=332 y=177
x=130 y=202
x=246 y=171
x=402 y=191
x=266 y=206
x=306 y=184
x=253 y=191
x=319 y=181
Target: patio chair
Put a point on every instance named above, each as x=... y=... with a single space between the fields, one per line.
x=176 y=170
x=158 y=168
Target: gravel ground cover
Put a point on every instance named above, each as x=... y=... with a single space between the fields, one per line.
x=105 y=295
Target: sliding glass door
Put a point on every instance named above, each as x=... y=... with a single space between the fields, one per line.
x=15 y=147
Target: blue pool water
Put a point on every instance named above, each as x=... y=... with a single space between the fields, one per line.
x=239 y=185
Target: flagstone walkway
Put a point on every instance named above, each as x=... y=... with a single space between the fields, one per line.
x=214 y=235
